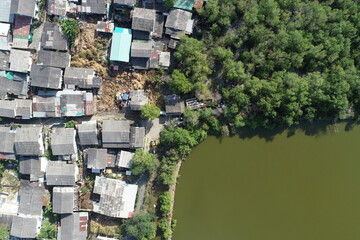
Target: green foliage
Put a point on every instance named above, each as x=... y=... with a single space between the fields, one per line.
x=144 y=161
x=2 y=167
x=4 y=232
x=84 y=190
x=179 y=83
x=169 y=3
x=149 y=111
x=49 y=224
x=165 y=203
x=165 y=228
x=70 y=28
x=48 y=153
x=71 y=124
x=141 y=226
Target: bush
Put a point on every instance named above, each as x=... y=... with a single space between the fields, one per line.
x=141 y=226
x=149 y=111
x=179 y=83
x=165 y=203
x=70 y=28
x=70 y=124
x=4 y=232
x=165 y=228
x=144 y=161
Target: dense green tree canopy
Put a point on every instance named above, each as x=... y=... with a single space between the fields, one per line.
x=150 y=111
x=143 y=161
x=142 y=226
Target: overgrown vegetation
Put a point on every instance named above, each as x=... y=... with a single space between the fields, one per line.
x=149 y=111
x=71 y=124
x=165 y=203
x=165 y=228
x=276 y=62
x=141 y=226
x=144 y=161
x=4 y=232
x=70 y=28
x=49 y=224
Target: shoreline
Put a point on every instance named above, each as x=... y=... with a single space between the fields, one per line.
x=172 y=190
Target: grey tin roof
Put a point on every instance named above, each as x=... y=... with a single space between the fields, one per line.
x=59 y=173
x=116 y=133
x=137 y=135
x=31 y=166
x=80 y=77
x=4 y=60
x=63 y=141
x=124 y=159
x=143 y=19
x=10 y=86
x=138 y=99
x=45 y=77
x=88 y=134
x=125 y=2
x=96 y=158
x=27 y=141
x=6 y=140
x=94 y=6
x=52 y=38
x=178 y=19
x=5 y=15
x=174 y=105
x=24 y=227
x=73 y=226
x=141 y=49
x=32 y=197
x=63 y=199
x=56 y=7
x=7 y=108
x=20 y=60
x=23 y=107
x=72 y=104
x=53 y=59
x=23 y=7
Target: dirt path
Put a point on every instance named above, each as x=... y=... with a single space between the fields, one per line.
x=172 y=189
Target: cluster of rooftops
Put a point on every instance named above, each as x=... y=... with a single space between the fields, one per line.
x=112 y=148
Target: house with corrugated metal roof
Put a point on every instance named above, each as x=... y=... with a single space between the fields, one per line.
x=128 y=3
x=23 y=7
x=57 y=7
x=4 y=36
x=178 y=23
x=21 y=31
x=61 y=173
x=63 y=200
x=46 y=106
x=141 y=52
x=63 y=143
x=137 y=135
x=93 y=7
x=29 y=141
x=31 y=166
x=138 y=98
x=53 y=59
x=13 y=85
x=184 y=4
x=120 y=45
x=52 y=37
x=117 y=198
x=143 y=23
x=20 y=60
x=88 y=133
x=105 y=27
x=73 y=226
x=18 y=108
x=75 y=103
x=98 y=159
x=116 y=133
x=7 y=150
x=124 y=159
x=82 y=78
x=174 y=105
x=45 y=77
x=5 y=11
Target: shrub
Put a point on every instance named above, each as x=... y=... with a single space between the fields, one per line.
x=165 y=203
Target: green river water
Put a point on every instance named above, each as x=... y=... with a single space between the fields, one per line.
x=298 y=184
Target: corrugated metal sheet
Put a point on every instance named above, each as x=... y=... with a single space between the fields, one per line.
x=120 y=45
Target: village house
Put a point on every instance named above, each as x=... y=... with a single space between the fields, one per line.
x=5 y=11
x=164 y=59
x=31 y=166
x=20 y=60
x=63 y=200
x=4 y=36
x=88 y=133
x=138 y=98
x=7 y=143
x=98 y=159
x=137 y=135
x=45 y=106
x=29 y=141
x=178 y=23
x=174 y=105
x=73 y=226
x=124 y=159
x=18 y=108
x=63 y=143
x=83 y=78
x=121 y=3
x=53 y=59
x=32 y=198
x=13 y=84
x=61 y=173
x=143 y=23
x=23 y=7
x=46 y=77
x=21 y=31
x=116 y=133
x=105 y=27
x=141 y=53
x=4 y=61
x=92 y=7
x=52 y=37
x=57 y=7
x=75 y=103
x=120 y=45
x=117 y=198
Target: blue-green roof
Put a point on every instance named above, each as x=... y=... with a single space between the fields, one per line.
x=184 y=4
x=120 y=45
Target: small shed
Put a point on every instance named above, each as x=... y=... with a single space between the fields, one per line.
x=52 y=37
x=46 y=77
x=53 y=59
x=120 y=45
x=63 y=141
x=63 y=200
x=88 y=133
x=138 y=98
x=174 y=105
x=116 y=133
x=124 y=159
x=164 y=59
x=60 y=173
x=137 y=135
